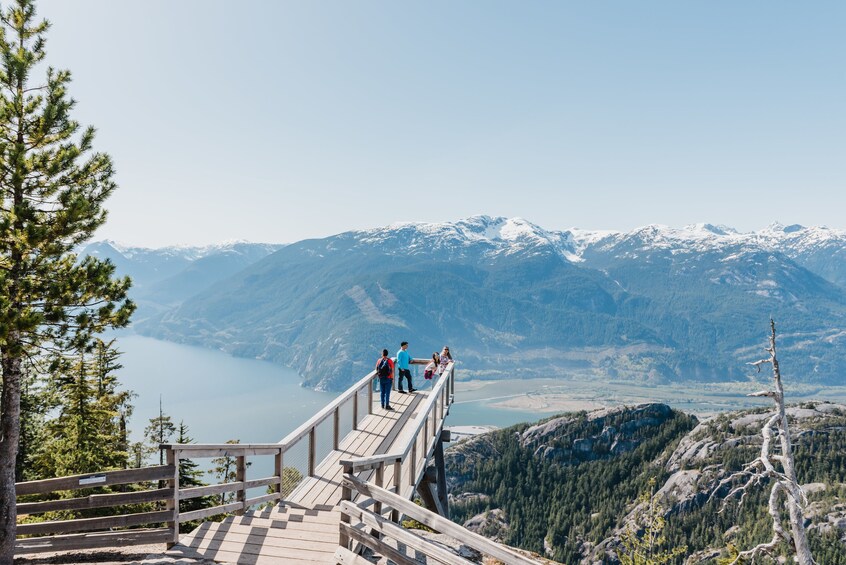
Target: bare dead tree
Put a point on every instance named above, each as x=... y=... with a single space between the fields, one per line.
x=786 y=489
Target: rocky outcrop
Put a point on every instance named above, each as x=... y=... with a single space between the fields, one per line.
x=697 y=468
x=601 y=433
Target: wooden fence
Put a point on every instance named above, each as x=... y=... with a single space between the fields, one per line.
x=363 y=523
x=52 y=535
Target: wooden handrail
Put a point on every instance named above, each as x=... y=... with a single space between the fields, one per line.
x=326 y=412
x=434 y=521
x=363 y=463
x=99 y=479
x=220 y=446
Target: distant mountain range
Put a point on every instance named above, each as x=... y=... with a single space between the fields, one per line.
x=512 y=299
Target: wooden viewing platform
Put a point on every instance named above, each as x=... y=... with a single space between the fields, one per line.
x=327 y=511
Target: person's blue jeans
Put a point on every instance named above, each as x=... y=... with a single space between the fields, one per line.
x=385 y=391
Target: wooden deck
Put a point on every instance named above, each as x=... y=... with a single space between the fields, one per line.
x=304 y=528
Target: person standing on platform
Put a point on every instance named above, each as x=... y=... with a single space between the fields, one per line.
x=404 y=367
x=385 y=372
x=446 y=359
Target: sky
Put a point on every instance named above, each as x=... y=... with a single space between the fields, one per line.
x=277 y=121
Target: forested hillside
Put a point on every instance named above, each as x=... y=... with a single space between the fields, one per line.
x=567 y=486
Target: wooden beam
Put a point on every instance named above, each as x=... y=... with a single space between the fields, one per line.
x=206 y=512
x=261 y=499
x=440 y=472
x=355 y=412
x=429 y=495
x=196 y=492
x=412 y=540
x=378 y=545
x=95 y=501
x=92 y=540
x=233 y=450
x=312 y=450
x=106 y=478
x=241 y=478
x=89 y=524
x=172 y=505
x=439 y=523
x=278 y=469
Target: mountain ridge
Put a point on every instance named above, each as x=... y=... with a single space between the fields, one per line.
x=654 y=304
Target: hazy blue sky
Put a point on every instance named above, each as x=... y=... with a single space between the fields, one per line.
x=278 y=121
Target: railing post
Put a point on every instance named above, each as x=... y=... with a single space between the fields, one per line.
x=346 y=494
x=434 y=419
x=370 y=396
x=241 y=476
x=278 y=467
x=173 y=501
x=355 y=410
x=312 y=450
x=336 y=428
x=397 y=489
x=413 y=467
x=452 y=381
x=380 y=480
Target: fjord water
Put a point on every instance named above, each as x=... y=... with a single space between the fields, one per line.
x=220 y=397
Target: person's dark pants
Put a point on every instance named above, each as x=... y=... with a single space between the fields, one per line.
x=385 y=391
x=407 y=374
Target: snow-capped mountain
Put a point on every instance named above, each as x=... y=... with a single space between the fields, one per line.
x=163 y=277
x=478 y=236
x=657 y=303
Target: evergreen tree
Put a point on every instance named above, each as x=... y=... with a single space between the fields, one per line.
x=646 y=546
x=53 y=189
x=88 y=434
x=37 y=400
x=225 y=470
x=159 y=431
x=190 y=475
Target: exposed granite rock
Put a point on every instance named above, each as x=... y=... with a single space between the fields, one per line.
x=551 y=439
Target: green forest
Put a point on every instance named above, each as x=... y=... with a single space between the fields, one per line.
x=571 y=507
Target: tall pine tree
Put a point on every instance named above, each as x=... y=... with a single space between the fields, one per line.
x=87 y=433
x=53 y=188
x=159 y=431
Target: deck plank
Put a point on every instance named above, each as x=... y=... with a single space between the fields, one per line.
x=305 y=527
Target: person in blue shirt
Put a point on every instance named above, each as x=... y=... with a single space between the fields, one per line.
x=404 y=367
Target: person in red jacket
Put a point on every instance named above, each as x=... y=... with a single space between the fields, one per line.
x=385 y=372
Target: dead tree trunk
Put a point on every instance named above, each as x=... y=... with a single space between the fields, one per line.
x=785 y=484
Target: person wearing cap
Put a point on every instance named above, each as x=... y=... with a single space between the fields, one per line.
x=404 y=367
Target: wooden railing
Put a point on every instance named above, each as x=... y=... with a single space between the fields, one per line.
x=50 y=535
x=169 y=496
x=372 y=530
x=425 y=432
x=363 y=522
x=278 y=482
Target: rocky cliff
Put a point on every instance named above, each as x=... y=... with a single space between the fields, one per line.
x=584 y=472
